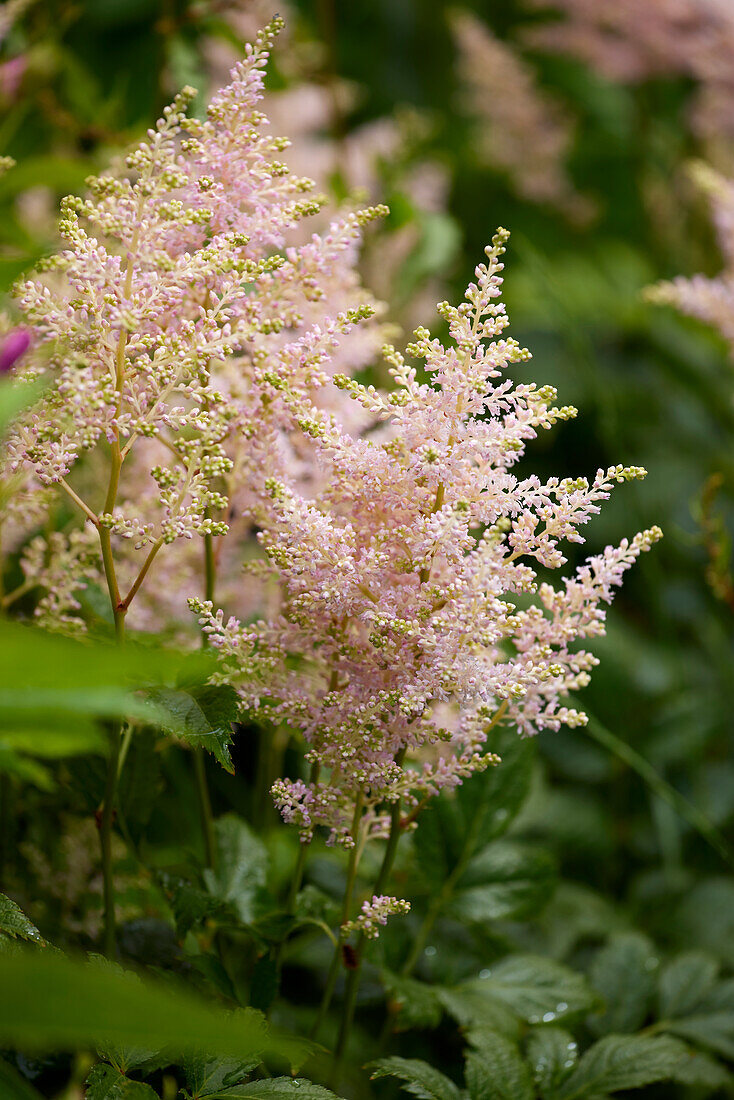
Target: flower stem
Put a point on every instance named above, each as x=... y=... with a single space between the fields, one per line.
x=202 y=787
x=105 y=838
x=205 y=808
x=331 y=977
x=350 y=997
x=303 y=847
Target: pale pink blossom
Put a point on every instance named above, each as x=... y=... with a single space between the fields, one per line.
x=400 y=578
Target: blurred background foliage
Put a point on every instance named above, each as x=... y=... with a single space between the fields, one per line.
x=79 y=80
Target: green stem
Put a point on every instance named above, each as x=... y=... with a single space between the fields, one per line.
x=210 y=568
x=350 y=996
x=205 y=808
x=105 y=837
x=303 y=848
x=661 y=788
x=206 y=816
x=333 y=973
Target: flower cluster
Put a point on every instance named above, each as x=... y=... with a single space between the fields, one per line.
x=708 y=299
x=375 y=912
x=629 y=42
x=411 y=618
x=165 y=324
x=514 y=115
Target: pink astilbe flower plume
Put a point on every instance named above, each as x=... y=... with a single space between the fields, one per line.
x=400 y=640
x=166 y=321
x=629 y=41
x=513 y=114
x=709 y=299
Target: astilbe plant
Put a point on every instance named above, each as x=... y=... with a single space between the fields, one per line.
x=203 y=369
x=161 y=332
x=512 y=114
x=710 y=299
x=632 y=42
x=410 y=593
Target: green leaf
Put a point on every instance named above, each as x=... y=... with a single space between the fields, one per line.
x=623 y=1062
x=475 y=1010
x=482 y=808
x=242 y=863
x=497 y=1072
x=552 y=1054
x=107 y=1083
x=190 y=904
x=205 y=1076
x=700 y=1069
x=712 y=1030
x=14 y=922
x=505 y=881
x=277 y=1088
x=47 y=680
x=414 y=1003
x=202 y=719
x=62 y=174
x=684 y=982
x=61 y=1004
x=494 y=797
x=711 y=1024
x=623 y=972
x=533 y=988
x=418 y=1078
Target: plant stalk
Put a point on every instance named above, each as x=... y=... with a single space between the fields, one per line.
x=355 y=974
x=333 y=973
x=202 y=787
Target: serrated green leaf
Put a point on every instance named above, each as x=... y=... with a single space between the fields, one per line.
x=413 y=1003
x=242 y=863
x=712 y=1030
x=623 y=1062
x=190 y=904
x=684 y=982
x=472 y=1008
x=504 y=881
x=60 y=1004
x=497 y=1072
x=277 y=1088
x=552 y=1053
x=623 y=973
x=533 y=988
x=495 y=796
x=206 y=1076
x=107 y=1083
x=184 y=715
x=14 y=922
x=51 y=687
x=700 y=1069
x=482 y=808
x=419 y=1078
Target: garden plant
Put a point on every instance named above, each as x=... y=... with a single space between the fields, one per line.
x=326 y=766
